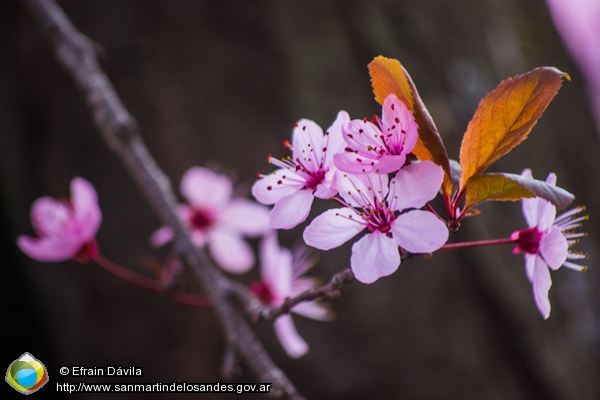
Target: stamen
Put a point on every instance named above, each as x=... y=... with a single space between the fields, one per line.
x=575 y=266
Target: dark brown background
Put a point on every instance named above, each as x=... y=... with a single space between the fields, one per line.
x=222 y=83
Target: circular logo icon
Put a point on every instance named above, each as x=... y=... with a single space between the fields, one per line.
x=26 y=374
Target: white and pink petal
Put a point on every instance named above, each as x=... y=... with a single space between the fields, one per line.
x=415 y=185
x=361 y=190
x=307 y=144
x=289 y=338
x=271 y=188
x=373 y=257
x=333 y=228
x=554 y=247
x=419 y=231
x=201 y=186
x=230 y=251
x=246 y=217
x=541 y=286
x=291 y=210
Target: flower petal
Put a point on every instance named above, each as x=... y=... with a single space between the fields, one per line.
x=246 y=217
x=231 y=252
x=291 y=342
x=353 y=163
x=389 y=163
x=360 y=190
x=541 y=286
x=328 y=187
x=414 y=185
x=87 y=212
x=419 y=231
x=546 y=214
x=333 y=228
x=161 y=236
x=530 y=266
x=50 y=217
x=395 y=113
x=554 y=247
x=276 y=267
x=313 y=310
x=307 y=144
x=271 y=188
x=334 y=139
x=291 y=210
x=551 y=179
x=538 y=212
x=363 y=137
x=203 y=187
x=374 y=256
x=49 y=249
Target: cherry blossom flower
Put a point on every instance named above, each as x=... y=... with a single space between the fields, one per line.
x=217 y=220
x=309 y=173
x=384 y=209
x=547 y=242
x=65 y=229
x=577 y=22
x=281 y=277
x=380 y=148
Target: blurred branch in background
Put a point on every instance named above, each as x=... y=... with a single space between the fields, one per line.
x=120 y=131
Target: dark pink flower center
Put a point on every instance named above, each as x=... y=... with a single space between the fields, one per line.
x=201 y=219
x=314 y=178
x=528 y=240
x=262 y=291
x=88 y=251
x=379 y=218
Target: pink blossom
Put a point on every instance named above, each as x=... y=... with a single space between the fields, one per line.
x=281 y=277
x=381 y=206
x=546 y=244
x=380 y=148
x=217 y=220
x=309 y=173
x=577 y=22
x=65 y=229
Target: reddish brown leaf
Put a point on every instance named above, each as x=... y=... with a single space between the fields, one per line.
x=505 y=117
x=388 y=76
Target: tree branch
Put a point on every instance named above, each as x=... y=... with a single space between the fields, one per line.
x=121 y=133
x=331 y=290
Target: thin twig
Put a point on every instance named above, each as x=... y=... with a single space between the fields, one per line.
x=121 y=132
x=187 y=299
x=331 y=290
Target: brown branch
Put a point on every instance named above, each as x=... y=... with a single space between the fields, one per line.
x=121 y=133
x=331 y=290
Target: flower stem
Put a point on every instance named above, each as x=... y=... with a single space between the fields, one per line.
x=453 y=246
x=430 y=208
x=150 y=284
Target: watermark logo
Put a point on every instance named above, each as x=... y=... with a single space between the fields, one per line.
x=26 y=374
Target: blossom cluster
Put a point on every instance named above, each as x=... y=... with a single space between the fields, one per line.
x=66 y=229
x=367 y=168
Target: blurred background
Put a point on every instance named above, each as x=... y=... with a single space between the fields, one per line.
x=221 y=84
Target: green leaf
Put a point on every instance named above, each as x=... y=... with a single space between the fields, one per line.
x=512 y=187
